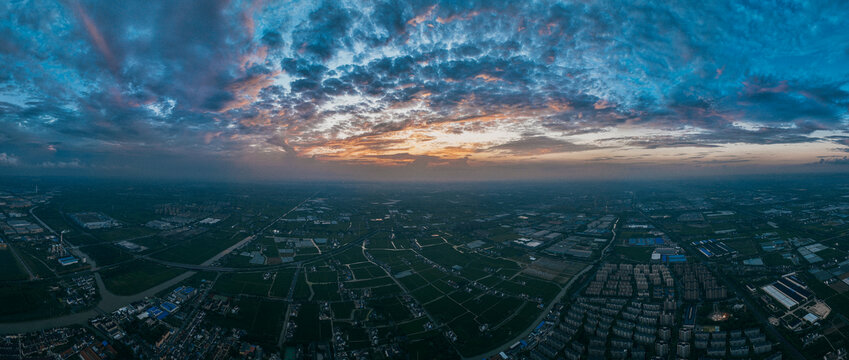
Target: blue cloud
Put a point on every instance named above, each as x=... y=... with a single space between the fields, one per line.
x=86 y=74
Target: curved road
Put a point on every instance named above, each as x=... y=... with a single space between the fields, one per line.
x=110 y=302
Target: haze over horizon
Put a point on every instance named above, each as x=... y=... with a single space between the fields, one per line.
x=386 y=90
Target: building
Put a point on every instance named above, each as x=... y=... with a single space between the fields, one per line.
x=683 y=349
x=93 y=220
x=788 y=291
x=159 y=225
x=68 y=260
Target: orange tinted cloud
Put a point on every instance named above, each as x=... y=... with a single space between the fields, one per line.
x=418 y=19
x=96 y=36
x=457 y=17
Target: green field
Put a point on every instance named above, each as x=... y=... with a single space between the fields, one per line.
x=310 y=328
x=444 y=309
x=325 y=292
x=36 y=264
x=56 y=221
x=373 y=282
x=28 y=301
x=641 y=254
x=390 y=308
x=261 y=318
x=342 y=309
x=136 y=276
x=744 y=247
x=10 y=269
x=322 y=277
x=201 y=247
x=248 y=283
x=426 y=294
x=775 y=259
x=105 y=254
x=302 y=289
x=282 y=282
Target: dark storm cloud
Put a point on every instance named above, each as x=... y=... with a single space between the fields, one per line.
x=835 y=161
x=272 y=39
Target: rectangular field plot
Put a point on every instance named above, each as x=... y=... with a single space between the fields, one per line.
x=463 y=295
x=413 y=326
x=476 y=341
x=552 y=269
x=369 y=283
x=342 y=309
x=249 y=283
x=426 y=294
x=387 y=290
x=105 y=254
x=302 y=289
x=282 y=283
x=432 y=275
x=444 y=309
x=431 y=240
x=310 y=328
x=24 y=301
x=351 y=256
x=496 y=310
x=325 y=292
x=412 y=281
x=445 y=255
x=393 y=258
x=262 y=319
x=202 y=247
x=390 y=309
x=322 y=276
x=531 y=287
x=10 y=269
x=136 y=276
x=367 y=271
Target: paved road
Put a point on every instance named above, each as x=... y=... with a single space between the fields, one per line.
x=109 y=302
x=248 y=239
x=788 y=349
x=551 y=304
x=31 y=212
x=264 y=268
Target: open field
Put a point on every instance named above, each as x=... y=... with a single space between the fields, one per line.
x=136 y=276
x=105 y=254
x=32 y=300
x=260 y=318
x=10 y=268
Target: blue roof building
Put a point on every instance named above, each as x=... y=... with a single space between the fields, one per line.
x=68 y=260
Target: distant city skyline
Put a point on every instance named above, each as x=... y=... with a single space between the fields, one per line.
x=393 y=90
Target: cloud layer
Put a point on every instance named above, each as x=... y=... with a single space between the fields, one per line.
x=313 y=87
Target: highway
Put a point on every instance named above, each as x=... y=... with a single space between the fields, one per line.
x=110 y=302
x=264 y=268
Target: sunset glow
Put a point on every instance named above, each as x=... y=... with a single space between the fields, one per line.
x=312 y=87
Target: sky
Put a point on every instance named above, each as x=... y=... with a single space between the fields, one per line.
x=386 y=90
